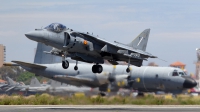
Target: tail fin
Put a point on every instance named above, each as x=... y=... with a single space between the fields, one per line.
x=10 y=81
x=34 y=82
x=43 y=58
x=140 y=42
x=54 y=83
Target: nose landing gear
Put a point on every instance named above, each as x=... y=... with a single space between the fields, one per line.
x=65 y=64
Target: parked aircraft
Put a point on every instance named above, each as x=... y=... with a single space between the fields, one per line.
x=112 y=78
x=151 y=79
x=89 y=48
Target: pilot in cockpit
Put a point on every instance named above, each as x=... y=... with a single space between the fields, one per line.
x=56 y=27
x=178 y=73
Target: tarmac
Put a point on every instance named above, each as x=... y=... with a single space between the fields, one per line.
x=99 y=108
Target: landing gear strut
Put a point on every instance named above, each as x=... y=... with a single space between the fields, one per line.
x=97 y=68
x=76 y=67
x=128 y=69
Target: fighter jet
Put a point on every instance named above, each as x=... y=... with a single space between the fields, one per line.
x=89 y=48
x=54 y=87
x=13 y=87
x=62 y=88
x=33 y=88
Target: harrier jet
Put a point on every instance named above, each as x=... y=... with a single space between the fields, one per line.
x=89 y=48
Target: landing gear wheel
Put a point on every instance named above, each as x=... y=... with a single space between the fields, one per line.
x=94 y=68
x=75 y=68
x=127 y=70
x=65 y=64
x=97 y=68
x=102 y=94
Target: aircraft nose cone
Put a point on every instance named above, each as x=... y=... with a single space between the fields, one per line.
x=189 y=83
x=33 y=35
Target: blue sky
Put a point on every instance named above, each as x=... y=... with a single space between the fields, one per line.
x=174 y=25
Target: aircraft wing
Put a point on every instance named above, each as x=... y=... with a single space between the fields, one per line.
x=10 y=88
x=75 y=79
x=3 y=85
x=31 y=65
x=115 y=45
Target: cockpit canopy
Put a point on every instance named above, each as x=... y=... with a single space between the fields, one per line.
x=56 y=27
x=178 y=73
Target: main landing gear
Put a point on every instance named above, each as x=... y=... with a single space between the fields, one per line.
x=97 y=68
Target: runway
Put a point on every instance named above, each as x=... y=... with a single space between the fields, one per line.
x=98 y=108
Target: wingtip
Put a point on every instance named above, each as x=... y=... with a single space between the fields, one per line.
x=13 y=61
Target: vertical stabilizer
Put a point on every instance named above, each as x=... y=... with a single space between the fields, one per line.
x=54 y=83
x=140 y=42
x=43 y=58
x=10 y=81
x=34 y=82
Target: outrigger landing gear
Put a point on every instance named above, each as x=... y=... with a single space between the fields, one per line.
x=65 y=63
x=128 y=69
x=76 y=67
x=97 y=68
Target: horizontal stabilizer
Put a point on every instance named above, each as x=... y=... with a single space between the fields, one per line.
x=30 y=65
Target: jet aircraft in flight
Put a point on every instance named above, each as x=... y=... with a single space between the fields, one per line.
x=89 y=48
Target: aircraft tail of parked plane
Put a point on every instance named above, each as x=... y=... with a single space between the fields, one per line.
x=54 y=83
x=140 y=42
x=10 y=81
x=34 y=82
